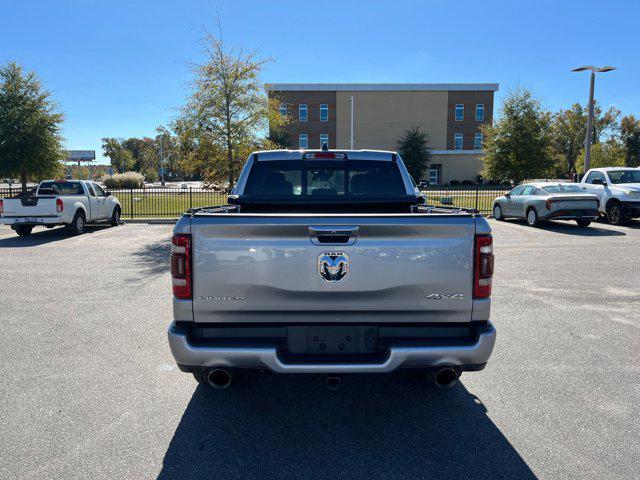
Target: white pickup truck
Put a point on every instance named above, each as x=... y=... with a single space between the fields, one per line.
x=71 y=203
x=329 y=262
x=618 y=190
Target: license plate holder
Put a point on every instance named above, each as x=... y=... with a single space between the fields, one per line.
x=332 y=340
x=30 y=219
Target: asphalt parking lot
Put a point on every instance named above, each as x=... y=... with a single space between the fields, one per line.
x=89 y=388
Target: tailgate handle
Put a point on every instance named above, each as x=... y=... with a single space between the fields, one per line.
x=333 y=235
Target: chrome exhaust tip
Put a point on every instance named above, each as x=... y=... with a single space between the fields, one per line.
x=446 y=377
x=219 y=378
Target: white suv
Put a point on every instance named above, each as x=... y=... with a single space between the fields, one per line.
x=618 y=189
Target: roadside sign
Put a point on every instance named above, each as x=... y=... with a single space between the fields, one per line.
x=81 y=155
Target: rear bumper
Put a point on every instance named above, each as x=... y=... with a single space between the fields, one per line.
x=589 y=214
x=42 y=220
x=191 y=356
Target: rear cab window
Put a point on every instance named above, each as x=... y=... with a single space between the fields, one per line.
x=60 y=188
x=324 y=178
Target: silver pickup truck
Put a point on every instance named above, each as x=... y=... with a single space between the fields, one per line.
x=329 y=262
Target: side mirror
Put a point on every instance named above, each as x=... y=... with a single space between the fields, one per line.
x=508 y=195
x=107 y=194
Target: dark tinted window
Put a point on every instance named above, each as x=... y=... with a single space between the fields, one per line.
x=562 y=189
x=624 y=176
x=595 y=175
x=325 y=178
x=61 y=188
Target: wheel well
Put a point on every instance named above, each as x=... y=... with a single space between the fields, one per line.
x=611 y=202
x=531 y=207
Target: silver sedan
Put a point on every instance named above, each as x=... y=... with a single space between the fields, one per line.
x=537 y=202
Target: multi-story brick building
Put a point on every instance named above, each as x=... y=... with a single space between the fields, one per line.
x=376 y=115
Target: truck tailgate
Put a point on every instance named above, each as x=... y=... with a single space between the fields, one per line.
x=266 y=268
x=29 y=206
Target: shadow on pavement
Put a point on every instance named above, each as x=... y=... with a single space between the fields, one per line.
x=374 y=426
x=571 y=228
x=41 y=236
x=153 y=258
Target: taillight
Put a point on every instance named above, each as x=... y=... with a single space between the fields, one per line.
x=1 y=206
x=483 y=266
x=59 y=205
x=550 y=203
x=181 y=266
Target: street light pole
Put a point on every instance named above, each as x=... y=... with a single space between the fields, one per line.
x=587 y=141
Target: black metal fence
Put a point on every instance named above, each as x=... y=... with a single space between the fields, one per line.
x=171 y=203
x=479 y=197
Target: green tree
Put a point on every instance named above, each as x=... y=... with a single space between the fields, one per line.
x=227 y=108
x=121 y=158
x=569 y=128
x=518 y=145
x=415 y=150
x=630 y=136
x=30 y=127
x=609 y=153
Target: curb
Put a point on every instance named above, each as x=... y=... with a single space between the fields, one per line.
x=151 y=221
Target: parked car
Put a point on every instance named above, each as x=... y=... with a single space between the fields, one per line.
x=71 y=203
x=327 y=262
x=540 y=201
x=618 y=189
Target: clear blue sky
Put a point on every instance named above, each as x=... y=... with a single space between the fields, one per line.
x=120 y=69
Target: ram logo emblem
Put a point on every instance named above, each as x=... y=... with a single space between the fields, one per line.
x=333 y=267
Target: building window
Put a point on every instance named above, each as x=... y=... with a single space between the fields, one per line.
x=457 y=141
x=324 y=138
x=459 y=112
x=435 y=174
x=303 y=141
x=303 y=112
x=477 y=143
x=480 y=112
x=324 y=112
x=283 y=109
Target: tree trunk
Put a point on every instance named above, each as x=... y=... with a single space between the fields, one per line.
x=23 y=180
x=230 y=164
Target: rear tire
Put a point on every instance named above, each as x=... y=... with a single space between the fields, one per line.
x=615 y=214
x=583 y=223
x=532 y=217
x=23 y=230
x=115 y=217
x=77 y=226
x=497 y=213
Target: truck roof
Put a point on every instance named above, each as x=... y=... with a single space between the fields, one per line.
x=381 y=155
x=610 y=169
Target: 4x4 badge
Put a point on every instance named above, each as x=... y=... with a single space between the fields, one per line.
x=445 y=296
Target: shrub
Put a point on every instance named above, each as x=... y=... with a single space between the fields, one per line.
x=124 y=180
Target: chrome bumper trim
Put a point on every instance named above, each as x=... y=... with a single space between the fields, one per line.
x=267 y=357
